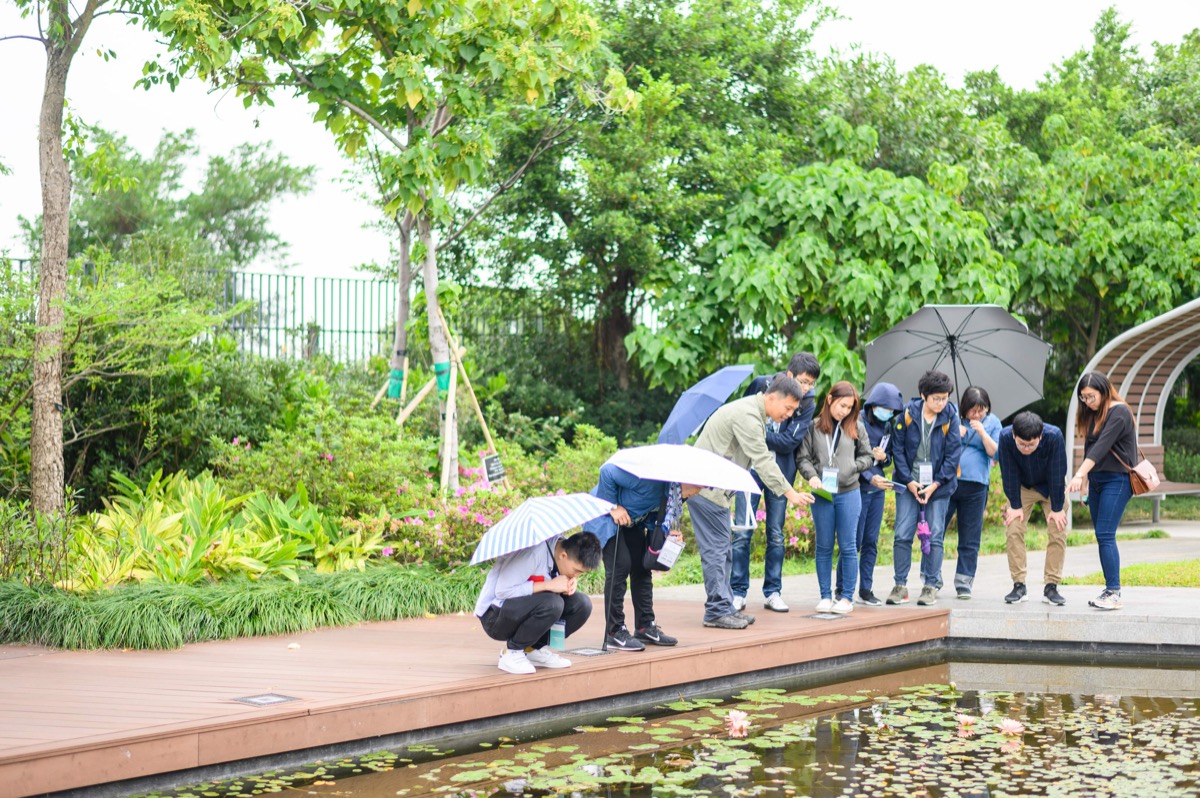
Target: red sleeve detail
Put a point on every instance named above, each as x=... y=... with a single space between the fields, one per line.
x=537 y=579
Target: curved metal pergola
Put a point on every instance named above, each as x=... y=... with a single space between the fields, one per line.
x=1144 y=363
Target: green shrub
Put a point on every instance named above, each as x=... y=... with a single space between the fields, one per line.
x=34 y=547
x=1181 y=465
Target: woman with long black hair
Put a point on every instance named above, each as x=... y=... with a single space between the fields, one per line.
x=1107 y=427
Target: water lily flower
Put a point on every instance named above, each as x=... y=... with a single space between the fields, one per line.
x=1010 y=727
x=965 y=720
x=737 y=723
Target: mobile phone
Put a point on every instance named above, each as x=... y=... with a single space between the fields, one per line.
x=884 y=441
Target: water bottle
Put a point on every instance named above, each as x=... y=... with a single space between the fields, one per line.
x=558 y=635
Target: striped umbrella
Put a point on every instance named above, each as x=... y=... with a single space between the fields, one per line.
x=537 y=520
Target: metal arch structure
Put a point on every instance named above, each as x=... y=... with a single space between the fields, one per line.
x=1144 y=363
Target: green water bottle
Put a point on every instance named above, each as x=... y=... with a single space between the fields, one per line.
x=558 y=635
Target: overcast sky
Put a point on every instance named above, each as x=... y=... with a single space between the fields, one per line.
x=1021 y=38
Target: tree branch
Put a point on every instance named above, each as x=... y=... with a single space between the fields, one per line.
x=30 y=38
x=354 y=109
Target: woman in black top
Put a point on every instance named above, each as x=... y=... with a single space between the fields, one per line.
x=1106 y=424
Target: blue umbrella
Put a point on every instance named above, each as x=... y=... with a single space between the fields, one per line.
x=701 y=401
x=537 y=520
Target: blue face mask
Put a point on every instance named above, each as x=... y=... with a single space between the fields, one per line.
x=883 y=413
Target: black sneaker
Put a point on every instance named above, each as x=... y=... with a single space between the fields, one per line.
x=621 y=640
x=1051 y=596
x=869 y=598
x=1017 y=595
x=655 y=636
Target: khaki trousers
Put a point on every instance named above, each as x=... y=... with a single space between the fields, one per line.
x=1015 y=541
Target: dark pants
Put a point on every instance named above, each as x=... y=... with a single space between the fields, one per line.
x=525 y=622
x=869 y=520
x=624 y=561
x=970 y=502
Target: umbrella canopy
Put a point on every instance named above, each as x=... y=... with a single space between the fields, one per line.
x=537 y=520
x=674 y=462
x=975 y=344
x=700 y=401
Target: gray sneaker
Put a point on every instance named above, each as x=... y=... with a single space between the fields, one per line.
x=899 y=595
x=748 y=618
x=1108 y=600
x=928 y=596
x=730 y=621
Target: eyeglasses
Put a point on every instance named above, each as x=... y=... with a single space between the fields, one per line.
x=937 y=399
x=1089 y=398
x=806 y=382
x=1027 y=445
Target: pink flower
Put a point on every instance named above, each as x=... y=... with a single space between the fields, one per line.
x=1010 y=746
x=1010 y=727
x=328 y=456
x=803 y=530
x=737 y=723
x=432 y=514
x=966 y=732
x=965 y=720
x=793 y=540
x=236 y=442
x=760 y=515
x=388 y=551
x=480 y=518
x=459 y=491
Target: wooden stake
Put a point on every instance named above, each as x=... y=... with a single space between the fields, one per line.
x=382 y=391
x=421 y=394
x=449 y=428
x=404 y=381
x=487 y=434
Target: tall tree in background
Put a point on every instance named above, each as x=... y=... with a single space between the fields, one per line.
x=622 y=210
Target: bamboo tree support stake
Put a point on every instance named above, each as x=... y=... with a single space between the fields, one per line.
x=450 y=430
x=487 y=434
x=382 y=391
x=404 y=381
x=421 y=394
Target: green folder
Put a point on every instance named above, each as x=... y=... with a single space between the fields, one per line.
x=824 y=494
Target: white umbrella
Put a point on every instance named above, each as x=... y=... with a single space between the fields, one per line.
x=677 y=462
x=537 y=520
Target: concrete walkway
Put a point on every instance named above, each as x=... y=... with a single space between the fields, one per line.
x=1151 y=615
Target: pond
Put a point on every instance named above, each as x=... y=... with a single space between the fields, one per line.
x=913 y=733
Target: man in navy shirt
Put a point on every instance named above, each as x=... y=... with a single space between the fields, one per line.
x=783 y=439
x=1033 y=465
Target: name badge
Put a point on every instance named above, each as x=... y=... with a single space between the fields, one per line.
x=829 y=479
x=925 y=472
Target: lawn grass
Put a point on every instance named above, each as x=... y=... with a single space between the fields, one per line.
x=1178 y=508
x=1182 y=573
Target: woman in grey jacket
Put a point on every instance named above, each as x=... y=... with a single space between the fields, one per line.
x=836 y=450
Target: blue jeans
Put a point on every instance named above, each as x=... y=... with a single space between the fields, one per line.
x=1108 y=493
x=869 y=520
x=908 y=511
x=837 y=518
x=739 y=578
x=970 y=502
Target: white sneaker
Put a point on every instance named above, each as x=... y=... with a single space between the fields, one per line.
x=843 y=606
x=739 y=603
x=775 y=602
x=546 y=657
x=825 y=605
x=514 y=662
x=1108 y=600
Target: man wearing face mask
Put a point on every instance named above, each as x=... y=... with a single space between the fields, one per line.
x=879 y=408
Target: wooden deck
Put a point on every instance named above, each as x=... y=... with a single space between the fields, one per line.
x=77 y=718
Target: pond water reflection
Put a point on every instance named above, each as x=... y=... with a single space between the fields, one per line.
x=902 y=734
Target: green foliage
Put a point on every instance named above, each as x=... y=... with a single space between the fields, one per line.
x=34 y=546
x=809 y=256
x=158 y=616
x=349 y=463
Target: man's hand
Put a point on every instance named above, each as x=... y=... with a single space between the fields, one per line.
x=924 y=495
x=880 y=482
x=1059 y=519
x=879 y=454
x=572 y=585
x=675 y=535
x=914 y=488
x=815 y=482
x=1011 y=514
x=620 y=515
x=559 y=584
x=802 y=499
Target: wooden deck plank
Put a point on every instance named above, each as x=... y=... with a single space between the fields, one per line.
x=72 y=718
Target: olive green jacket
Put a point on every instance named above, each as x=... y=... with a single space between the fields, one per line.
x=738 y=432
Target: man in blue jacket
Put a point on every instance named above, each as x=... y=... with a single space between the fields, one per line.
x=782 y=439
x=622 y=534
x=1033 y=466
x=925 y=447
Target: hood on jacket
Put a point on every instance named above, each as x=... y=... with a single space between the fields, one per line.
x=884 y=394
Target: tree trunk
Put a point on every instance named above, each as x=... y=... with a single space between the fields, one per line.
x=403 y=301
x=612 y=325
x=46 y=439
x=1093 y=331
x=439 y=348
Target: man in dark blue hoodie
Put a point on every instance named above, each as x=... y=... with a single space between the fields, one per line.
x=879 y=409
x=926 y=456
x=783 y=439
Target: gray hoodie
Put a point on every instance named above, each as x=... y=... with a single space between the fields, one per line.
x=851 y=458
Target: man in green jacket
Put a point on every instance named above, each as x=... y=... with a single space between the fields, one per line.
x=738 y=433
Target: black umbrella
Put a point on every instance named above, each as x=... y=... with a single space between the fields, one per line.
x=975 y=344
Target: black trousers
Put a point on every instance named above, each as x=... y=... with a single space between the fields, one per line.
x=624 y=556
x=525 y=622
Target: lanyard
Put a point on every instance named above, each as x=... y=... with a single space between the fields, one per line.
x=832 y=442
x=926 y=434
